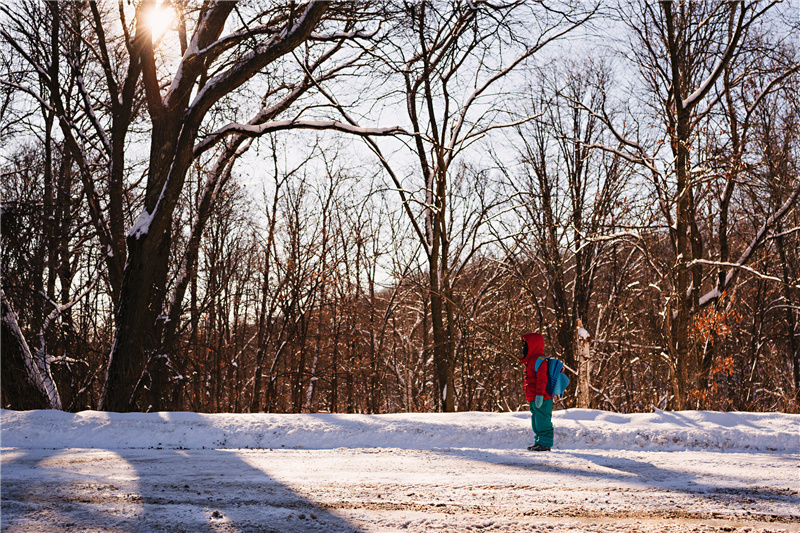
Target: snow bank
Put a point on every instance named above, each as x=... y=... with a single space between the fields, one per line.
x=574 y=428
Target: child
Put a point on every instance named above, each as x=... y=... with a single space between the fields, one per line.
x=539 y=402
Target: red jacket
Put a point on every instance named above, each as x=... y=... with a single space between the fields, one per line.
x=535 y=380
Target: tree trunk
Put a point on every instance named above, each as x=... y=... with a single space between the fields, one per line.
x=683 y=275
x=255 y=400
x=444 y=375
x=136 y=338
x=584 y=370
x=791 y=322
x=27 y=383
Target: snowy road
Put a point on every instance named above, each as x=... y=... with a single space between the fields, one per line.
x=403 y=490
x=391 y=488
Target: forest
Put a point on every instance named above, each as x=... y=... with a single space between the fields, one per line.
x=359 y=207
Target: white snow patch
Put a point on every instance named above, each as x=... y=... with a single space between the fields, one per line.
x=574 y=429
x=142 y=225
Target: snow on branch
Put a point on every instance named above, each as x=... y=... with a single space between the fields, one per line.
x=785 y=233
x=709 y=82
x=101 y=132
x=42 y=359
x=209 y=27
x=345 y=35
x=592 y=239
x=768 y=224
x=59 y=309
x=142 y=225
x=216 y=48
x=715 y=292
x=253 y=61
x=222 y=44
x=252 y=130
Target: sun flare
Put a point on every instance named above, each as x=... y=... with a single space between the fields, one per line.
x=159 y=20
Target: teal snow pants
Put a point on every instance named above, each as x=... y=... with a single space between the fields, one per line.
x=542 y=422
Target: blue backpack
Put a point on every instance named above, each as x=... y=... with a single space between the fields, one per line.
x=557 y=380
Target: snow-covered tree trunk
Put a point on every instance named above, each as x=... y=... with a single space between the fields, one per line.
x=33 y=380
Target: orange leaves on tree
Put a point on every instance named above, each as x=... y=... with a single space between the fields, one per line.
x=713 y=322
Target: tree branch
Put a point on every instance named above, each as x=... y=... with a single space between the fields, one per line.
x=253 y=130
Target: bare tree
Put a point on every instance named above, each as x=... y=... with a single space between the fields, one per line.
x=46 y=45
x=215 y=66
x=570 y=203
x=683 y=52
x=448 y=60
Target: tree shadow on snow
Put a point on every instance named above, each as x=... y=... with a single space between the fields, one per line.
x=219 y=490
x=618 y=470
x=721 y=419
x=41 y=492
x=164 y=490
x=681 y=481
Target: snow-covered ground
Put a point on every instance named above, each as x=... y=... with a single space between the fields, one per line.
x=665 y=471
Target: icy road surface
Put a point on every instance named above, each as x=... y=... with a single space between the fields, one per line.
x=114 y=487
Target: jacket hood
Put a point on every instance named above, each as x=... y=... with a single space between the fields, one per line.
x=535 y=344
